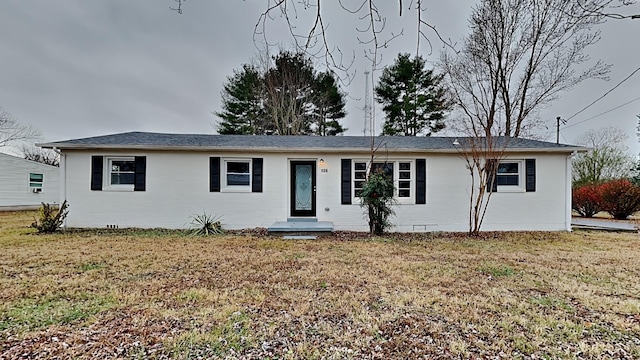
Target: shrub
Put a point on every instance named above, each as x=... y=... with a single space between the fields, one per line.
x=206 y=224
x=620 y=198
x=51 y=217
x=377 y=197
x=586 y=200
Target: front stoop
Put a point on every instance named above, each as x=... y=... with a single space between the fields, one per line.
x=301 y=227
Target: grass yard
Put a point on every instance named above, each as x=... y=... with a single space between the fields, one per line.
x=161 y=294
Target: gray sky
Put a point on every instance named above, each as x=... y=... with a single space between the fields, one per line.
x=78 y=68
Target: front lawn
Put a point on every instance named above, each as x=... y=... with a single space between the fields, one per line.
x=159 y=294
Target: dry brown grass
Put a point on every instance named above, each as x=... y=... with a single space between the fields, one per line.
x=158 y=294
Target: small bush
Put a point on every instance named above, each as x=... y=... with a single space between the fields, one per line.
x=205 y=224
x=51 y=217
x=586 y=200
x=620 y=198
x=377 y=197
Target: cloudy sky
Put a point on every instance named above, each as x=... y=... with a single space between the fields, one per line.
x=78 y=68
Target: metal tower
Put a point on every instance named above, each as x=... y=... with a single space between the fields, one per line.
x=368 y=115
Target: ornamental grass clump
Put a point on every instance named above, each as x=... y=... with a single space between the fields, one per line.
x=377 y=197
x=205 y=225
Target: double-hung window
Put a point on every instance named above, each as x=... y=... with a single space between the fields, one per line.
x=121 y=171
x=237 y=174
x=400 y=172
x=510 y=176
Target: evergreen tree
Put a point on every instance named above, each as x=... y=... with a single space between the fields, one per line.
x=288 y=98
x=329 y=104
x=413 y=98
x=242 y=103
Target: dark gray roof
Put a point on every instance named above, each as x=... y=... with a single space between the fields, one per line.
x=160 y=141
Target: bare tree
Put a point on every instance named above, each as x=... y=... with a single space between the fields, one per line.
x=519 y=56
x=11 y=130
x=40 y=155
x=608 y=158
x=310 y=31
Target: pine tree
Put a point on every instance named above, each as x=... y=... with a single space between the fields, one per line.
x=288 y=98
x=413 y=98
x=329 y=104
x=243 y=111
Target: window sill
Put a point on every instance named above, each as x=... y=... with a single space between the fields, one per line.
x=118 y=188
x=239 y=189
x=510 y=189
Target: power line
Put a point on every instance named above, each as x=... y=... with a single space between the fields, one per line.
x=603 y=113
x=605 y=94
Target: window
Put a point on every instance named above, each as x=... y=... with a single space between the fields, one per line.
x=400 y=173
x=35 y=182
x=509 y=176
x=237 y=174
x=118 y=173
x=508 y=173
x=121 y=171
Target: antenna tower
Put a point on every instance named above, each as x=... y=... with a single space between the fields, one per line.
x=368 y=118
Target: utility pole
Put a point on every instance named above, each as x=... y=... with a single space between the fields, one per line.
x=558 y=121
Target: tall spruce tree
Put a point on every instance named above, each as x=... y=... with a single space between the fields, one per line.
x=288 y=98
x=413 y=98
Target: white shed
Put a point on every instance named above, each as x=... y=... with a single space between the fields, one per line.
x=25 y=184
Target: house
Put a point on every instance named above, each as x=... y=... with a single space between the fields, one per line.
x=25 y=184
x=140 y=179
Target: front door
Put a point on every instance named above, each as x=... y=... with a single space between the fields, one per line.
x=303 y=188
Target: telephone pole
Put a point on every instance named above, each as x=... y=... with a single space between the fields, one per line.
x=558 y=121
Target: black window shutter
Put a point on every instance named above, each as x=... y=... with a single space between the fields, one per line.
x=96 y=173
x=345 y=189
x=492 y=175
x=256 y=175
x=530 y=175
x=214 y=174
x=139 y=179
x=421 y=181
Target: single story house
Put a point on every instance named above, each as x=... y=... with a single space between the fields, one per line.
x=25 y=184
x=140 y=179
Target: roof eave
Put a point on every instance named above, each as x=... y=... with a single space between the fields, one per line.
x=69 y=146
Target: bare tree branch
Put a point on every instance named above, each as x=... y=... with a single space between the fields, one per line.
x=11 y=130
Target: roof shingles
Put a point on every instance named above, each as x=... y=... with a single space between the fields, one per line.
x=194 y=141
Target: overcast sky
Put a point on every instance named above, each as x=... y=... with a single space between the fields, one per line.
x=78 y=68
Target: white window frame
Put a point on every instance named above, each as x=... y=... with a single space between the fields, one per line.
x=106 y=179
x=396 y=178
x=236 y=188
x=36 y=186
x=521 y=178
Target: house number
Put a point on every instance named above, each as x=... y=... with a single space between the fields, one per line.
x=324 y=170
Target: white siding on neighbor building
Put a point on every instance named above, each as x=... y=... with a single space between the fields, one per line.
x=177 y=187
x=14 y=182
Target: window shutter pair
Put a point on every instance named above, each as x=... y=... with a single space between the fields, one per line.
x=97 y=163
x=529 y=173
x=421 y=181
x=215 y=174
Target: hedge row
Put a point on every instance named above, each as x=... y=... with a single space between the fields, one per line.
x=620 y=198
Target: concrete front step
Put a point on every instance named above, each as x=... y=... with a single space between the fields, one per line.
x=301 y=226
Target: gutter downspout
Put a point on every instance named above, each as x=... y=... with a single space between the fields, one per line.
x=62 y=182
x=568 y=179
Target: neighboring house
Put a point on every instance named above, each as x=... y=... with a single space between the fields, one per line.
x=25 y=184
x=148 y=180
